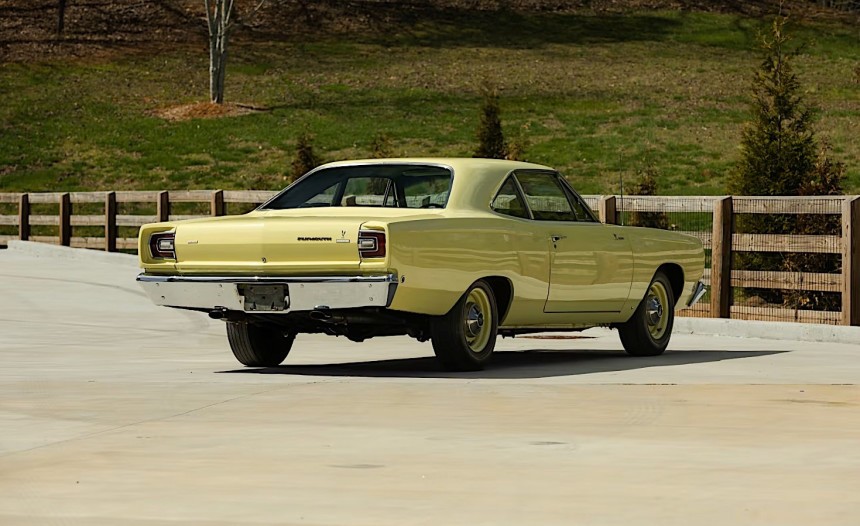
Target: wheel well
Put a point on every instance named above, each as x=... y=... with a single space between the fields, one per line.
x=676 y=278
x=504 y=293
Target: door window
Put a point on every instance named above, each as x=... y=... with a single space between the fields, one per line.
x=580 y=208
x=546 y=197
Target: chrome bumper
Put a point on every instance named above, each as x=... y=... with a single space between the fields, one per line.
x=698 y=291
x=301 y=293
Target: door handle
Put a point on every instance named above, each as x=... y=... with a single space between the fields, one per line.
x=618 y=238
x=557 y=238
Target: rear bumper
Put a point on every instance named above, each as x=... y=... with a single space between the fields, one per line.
x=301 y=293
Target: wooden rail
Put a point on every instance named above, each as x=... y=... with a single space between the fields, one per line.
x=64 y=220
x=102 y=231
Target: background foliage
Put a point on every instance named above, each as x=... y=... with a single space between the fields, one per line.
x=593 y=88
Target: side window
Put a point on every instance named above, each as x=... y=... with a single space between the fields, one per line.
x=509 y=202
x=324 y=198
x=546 y=197
x=367 y=191
x=426 y=191
x=580 y=208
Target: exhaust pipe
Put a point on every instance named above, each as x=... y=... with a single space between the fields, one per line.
x=321 y=315
x=222 y=313
x=218 y=313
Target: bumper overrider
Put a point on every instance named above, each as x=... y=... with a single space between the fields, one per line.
x=699 y=290
x=269 y=294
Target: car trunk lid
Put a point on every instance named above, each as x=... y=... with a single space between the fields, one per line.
x=269 y=244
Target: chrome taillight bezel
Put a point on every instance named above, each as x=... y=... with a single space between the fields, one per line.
x=162 y=245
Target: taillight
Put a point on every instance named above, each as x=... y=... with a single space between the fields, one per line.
x=162 y=246
x=371 y=244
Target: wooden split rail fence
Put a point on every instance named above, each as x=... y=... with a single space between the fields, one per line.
x=65 y=219
x=717 y=234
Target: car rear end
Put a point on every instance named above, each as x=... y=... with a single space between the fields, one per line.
x=320 y=246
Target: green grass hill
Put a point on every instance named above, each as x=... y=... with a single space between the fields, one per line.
x=598 y=90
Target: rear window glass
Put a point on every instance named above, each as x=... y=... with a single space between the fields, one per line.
x=381 y=185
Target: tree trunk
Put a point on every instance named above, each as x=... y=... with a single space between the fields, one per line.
x=61 y=16
x=220 y=71
x=216 y=72
x=219 y=28
x=218 y=17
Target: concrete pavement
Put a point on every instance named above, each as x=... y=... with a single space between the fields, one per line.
x=114 y=411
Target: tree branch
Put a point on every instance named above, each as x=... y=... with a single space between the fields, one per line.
x=209 y=17
x=253 y=12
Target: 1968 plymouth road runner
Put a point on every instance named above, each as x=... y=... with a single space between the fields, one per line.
x=455 y=251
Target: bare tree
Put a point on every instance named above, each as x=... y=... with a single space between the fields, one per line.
x=219 y=16
x=61 y=16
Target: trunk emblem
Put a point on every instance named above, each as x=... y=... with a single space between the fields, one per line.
x=264 y=260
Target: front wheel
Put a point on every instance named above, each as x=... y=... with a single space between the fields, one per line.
x=464 y=339
x=648 y=331
x=259 y=345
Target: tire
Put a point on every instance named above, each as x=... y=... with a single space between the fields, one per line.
x=464 y=339
x=258 y=345
x=648 y=331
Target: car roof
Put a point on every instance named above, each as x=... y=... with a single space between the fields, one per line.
x=457 y=163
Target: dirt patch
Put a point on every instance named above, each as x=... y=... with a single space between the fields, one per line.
x=206 y=110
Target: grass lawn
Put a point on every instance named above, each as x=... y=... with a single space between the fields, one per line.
x=597 y=96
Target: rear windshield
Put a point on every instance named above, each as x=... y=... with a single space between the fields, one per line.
x=379 y=185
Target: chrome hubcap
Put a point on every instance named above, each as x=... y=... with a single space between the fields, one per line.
x=654 y=310
x=656 y=317
x=474 y=320
x=477 y=320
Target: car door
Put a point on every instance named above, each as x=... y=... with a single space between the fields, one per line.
x=591 y=264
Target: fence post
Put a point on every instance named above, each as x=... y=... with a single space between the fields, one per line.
x=65 y=220
x=851 y=261
x=216 y=206
x=24 y=217
x=721 y=259
x=606 y=210
x=110 y=222
x=163 y=206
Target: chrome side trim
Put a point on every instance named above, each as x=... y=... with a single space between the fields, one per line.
x=698 y=291
x=155 y=278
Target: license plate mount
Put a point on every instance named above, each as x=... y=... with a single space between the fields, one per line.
x=265 y=298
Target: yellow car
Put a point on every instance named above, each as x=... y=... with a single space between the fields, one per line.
x=455 y=251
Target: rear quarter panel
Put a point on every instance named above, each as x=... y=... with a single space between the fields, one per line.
x=653 y=248
x=438 y=259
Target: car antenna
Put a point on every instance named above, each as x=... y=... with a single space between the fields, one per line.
x=621 y=209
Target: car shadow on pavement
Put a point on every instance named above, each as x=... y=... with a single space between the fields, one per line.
x=535 y=363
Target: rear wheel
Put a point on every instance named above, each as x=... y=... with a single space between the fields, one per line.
x=259 y=345
x=464 y=339
x=648 y=331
